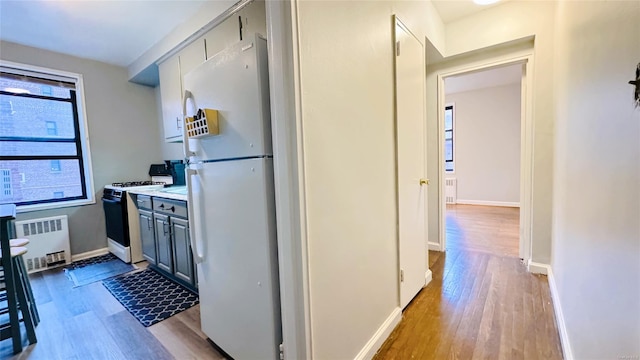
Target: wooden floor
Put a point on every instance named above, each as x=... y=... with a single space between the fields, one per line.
x=489 y=229
x=481 y=303
x=87 y=322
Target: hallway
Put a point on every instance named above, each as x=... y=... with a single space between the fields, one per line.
x=479 y=304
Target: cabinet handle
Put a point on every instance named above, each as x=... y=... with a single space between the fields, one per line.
x=149 y=223
x=173 y=209
x=161 y=206
x=165 y=225
x=178 y=123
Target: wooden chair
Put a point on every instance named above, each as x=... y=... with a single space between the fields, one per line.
x=24 y=276
x=15 y=292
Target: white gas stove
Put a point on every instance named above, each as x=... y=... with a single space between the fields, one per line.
x=119 y=221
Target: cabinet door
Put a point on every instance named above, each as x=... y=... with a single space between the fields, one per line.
x=147 y=236
x=183 y=262
x=163 y=241
x=190 y=57
x=254 y=19
x=171 y=96
x=222 y=36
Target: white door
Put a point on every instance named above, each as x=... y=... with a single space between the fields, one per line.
x=410 y=142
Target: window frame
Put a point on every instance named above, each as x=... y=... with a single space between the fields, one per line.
x=81 y=133
x=451 y=105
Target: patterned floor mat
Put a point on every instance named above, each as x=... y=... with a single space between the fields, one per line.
x=149 y=296
x=98 y=268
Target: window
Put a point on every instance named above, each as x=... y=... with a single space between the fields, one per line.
x=52 y=128
x=7 y=192
x=448 y=138
x=43 y=139
x=55 y=165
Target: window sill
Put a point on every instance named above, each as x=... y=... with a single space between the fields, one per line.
x=57 y=205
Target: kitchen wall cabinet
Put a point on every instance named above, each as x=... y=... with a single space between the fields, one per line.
x=246 y=22
x=171 y=95
x=190 y=57
x=171 y=72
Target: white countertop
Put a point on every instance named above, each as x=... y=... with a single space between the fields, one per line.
x=173 y=192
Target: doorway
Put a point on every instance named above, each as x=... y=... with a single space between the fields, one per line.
x=486 y=157
x=482 y=120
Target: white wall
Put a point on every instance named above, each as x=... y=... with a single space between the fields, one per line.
x=487 y=144
x=123 y=134
x=346 y=69
x=596 y=233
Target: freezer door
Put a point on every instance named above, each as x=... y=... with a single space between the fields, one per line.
x=236 y=83
x=238 y=279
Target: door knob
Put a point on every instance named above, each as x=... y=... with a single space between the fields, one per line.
x=424 y=182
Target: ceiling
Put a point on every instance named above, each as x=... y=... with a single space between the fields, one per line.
x=451 y=10
x=120 y=31
x=115 y=32
x=505 y=75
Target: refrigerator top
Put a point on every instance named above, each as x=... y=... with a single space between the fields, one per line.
x=235 y=82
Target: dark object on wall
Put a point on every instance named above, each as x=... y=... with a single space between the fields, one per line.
x=636 y=83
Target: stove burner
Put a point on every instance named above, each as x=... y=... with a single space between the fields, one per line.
x=137 y=183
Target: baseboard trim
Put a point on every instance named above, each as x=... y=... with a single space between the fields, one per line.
x=434 y=246
x=89 y=254
x=488 y=203
x=383 y=332
x=428 y=276
x=538 y=268
x=557 y=307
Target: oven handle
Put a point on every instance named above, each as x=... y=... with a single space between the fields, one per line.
x=111 y=201
x=197 y=232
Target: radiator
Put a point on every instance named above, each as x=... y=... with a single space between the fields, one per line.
x=450 y=191
x=48 y=242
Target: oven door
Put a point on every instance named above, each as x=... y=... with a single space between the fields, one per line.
x=115 y=214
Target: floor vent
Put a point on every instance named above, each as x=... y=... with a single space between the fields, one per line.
x=48 y=242
x=450 y=190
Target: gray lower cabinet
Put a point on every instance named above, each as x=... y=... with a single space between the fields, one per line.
x=182 y=257
x=163 y=242
x=147 y=236
x=172 y=241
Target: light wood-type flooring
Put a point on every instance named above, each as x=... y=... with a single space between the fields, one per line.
x=481 y=303
x=489 y=229
x=87 y=322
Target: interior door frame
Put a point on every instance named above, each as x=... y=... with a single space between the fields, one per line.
x=526 y=143
x=428 y=274
x=286 y=130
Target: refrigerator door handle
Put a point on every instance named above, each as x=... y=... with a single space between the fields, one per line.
x=196 y=228
x=188 y=152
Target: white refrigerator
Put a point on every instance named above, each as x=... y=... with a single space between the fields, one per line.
x=231 y=203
